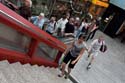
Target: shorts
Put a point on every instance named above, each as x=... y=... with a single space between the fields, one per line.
x=92 y=52
x=70 y=58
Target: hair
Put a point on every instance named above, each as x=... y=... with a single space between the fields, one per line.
x=82 y=35
x=84 y=19
x=64 y=16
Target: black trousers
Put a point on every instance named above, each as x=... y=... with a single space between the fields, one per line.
x=91 y=35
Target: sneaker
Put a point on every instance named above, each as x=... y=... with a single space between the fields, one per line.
x=88 y=67
x=60 y=75
x=66 y=76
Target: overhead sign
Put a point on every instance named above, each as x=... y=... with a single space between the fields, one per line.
x=100 y=3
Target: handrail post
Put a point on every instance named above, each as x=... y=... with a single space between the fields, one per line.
x=33 y=47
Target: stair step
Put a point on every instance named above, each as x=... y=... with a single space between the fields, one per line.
x=10 y=74
x=51 y=77
x=36 y=75
x=42 y=75
x=53 y=73
x=4 y=64
x=18 y=73
x=23 y=72
x=2 y=78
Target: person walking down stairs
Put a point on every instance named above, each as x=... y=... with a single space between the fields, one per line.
x=73 y=54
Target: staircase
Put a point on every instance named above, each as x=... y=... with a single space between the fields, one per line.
x=25 y=45
x=18 y=73
x=66 y=40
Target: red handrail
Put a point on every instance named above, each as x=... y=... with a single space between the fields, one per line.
x=13 y=56
x=14 y=20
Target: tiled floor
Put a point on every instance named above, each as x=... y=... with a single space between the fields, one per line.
x=109 y=67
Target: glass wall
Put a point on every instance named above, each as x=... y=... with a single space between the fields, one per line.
x=46 y=52
x=13 y=40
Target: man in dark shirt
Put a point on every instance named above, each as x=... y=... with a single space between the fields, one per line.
x=25 y=9
x=69 y=28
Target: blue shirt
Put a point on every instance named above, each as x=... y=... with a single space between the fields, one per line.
x=38 y=22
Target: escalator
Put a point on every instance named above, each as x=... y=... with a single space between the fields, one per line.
x=22 y=41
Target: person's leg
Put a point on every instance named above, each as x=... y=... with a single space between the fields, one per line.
x=88 y=36
x=62 y=33
x=91 y=61
x=70 y=67
x=93 y=33
x=63 y=69
x=89 y=53
x=69 y=71
x=63 y=65
x=88 y=56
x=86 y=31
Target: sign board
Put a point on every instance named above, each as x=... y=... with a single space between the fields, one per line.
x=100 y=3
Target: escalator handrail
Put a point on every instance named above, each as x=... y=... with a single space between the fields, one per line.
x=30 y=27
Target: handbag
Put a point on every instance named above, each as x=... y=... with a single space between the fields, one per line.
x=103 y=48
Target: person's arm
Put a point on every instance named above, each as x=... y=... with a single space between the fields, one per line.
x=92 y=44
x=86 y=48
x=33 y=18
x=94 y=28
x=79 y=56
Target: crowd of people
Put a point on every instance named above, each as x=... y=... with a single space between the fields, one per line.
x=81 y=29
x=66 y=25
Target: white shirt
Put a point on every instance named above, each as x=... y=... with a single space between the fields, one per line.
x=61 y=23
x=83 y=25
x=95 y=45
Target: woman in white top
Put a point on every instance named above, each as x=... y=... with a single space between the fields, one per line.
x=94 y=49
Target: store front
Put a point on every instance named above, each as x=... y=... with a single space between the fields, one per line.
x=112 y=20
